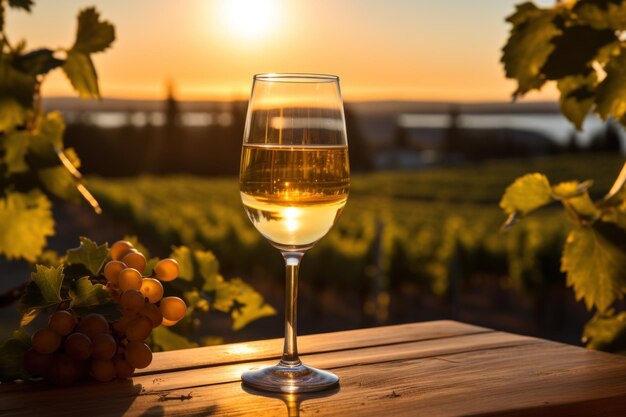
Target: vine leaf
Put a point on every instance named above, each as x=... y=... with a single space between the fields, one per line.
x=595 y=266
x=38 y=62
x=25 y=223
x=21 y=4
x=605 y=331
x=43 y=291
x=86 y=294
x=18 y=90
x=80 y=71
x=15 y=146
x=93 y=34
x=88 y=254
x=574 y=51
x=208 y=268
x=182 y=255
x=526 y=194
x=12 y=354
x=577 y=94
x=601 y=14
x=529 y=46
x=242 y=301
x=611 y=92
x=165 y=339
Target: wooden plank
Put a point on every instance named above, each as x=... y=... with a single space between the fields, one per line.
x=220 y=374
x=530 y=379
x=323 y=342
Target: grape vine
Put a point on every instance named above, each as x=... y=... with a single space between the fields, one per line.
x=34 y=163
x=580 y=45
x=109 y=309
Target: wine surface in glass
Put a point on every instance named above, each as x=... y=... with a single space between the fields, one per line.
x=294 y=194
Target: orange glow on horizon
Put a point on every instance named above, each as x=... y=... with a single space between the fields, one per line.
x=408 y=50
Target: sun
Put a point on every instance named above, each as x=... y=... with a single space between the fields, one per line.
x=249 y=18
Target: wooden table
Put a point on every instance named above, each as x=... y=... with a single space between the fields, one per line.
x=440 y=368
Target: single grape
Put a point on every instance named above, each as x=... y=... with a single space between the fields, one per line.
x=46 y=341
x=152 y=289
x=129 y=279
x=120 y=325
x=104 y=346
x=135 y=259
x=112 y=271
x=119 y=249
x=62 y=370
x=138 y=354
x=139 y=329
x=173 y=308
x=103 y=370
x=35 y=363
x=168 y=323
x=123 y=369
x=153 y=313
x=93 y=324
x=78 y=346
x=167 y=269
x=131 y=301
x=62 y=322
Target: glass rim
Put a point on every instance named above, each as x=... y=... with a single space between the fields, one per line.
x=295 y=77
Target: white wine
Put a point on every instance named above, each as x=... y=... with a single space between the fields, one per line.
x=294 y=194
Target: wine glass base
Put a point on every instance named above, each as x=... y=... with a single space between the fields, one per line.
x=289 y=379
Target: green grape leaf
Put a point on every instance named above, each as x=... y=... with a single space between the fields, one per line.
x=611 y=92
x=80 y=71
x=575 y=49
x=208 y=268
x=595 y=267
x=250 y=306
x=182 y=254
x=37 y=62
x=529 y=46
x=526 y=194
x=88 y=254
x=577 y=94
x=225 y=293
x=601 y=14
x=12 y=113
x=86 y=294
x=569 y=189
x=12 y=354
x=164 y=339
x=93 y=34
x=21 y=4
x=575 y=196
x=43 y=291
x=15 y=147
x=25 y=223
x=18 y=90
x=606 y=332
x=59 y=182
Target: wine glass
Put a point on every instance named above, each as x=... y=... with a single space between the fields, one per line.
x=294 y=182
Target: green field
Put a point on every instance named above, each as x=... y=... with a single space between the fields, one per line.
x=428 y=228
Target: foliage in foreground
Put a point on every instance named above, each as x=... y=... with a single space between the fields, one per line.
x=83 y=285
x=580 y=45
x=34 y=163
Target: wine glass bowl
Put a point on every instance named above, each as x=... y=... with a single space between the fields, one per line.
x=294 y=183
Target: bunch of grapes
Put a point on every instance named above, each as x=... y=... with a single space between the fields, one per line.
x=71 y=347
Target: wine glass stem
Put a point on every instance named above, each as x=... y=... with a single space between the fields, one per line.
x=290 y=351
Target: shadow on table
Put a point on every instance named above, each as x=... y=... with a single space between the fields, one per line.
x=292 y=401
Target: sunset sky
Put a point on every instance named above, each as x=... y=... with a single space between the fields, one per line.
x=381 y=49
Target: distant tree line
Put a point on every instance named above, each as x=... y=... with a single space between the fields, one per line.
x=174 y=148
